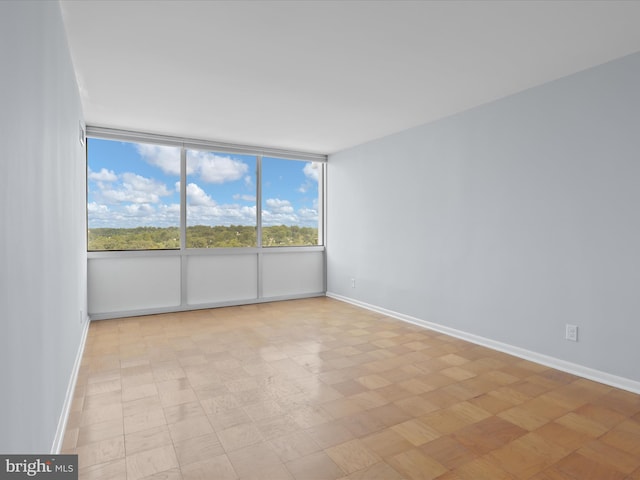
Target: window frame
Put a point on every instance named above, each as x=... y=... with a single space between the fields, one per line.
x=320 y=241
x=223 y=148
x=131 y=141
x=184 y=200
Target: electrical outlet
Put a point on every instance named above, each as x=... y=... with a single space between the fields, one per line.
x=571 y=332
x=353 y=283
x=81 y=317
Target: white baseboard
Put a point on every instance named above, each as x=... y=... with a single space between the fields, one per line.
x=569 y=367
x=66 y=407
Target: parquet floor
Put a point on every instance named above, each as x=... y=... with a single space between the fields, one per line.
x=319 y=389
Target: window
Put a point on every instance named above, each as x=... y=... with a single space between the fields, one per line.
x=221 y=200
x=134 y=193
x=133 y=196
x=290 y=202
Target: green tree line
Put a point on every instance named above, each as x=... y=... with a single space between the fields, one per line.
x=198 y=236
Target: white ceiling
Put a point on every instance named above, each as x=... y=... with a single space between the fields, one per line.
x=321 y=76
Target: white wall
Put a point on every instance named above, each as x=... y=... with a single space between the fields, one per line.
x=137 y=283
x=133 y=283
x=221 y=278
x=43 y=259
x=506 y=221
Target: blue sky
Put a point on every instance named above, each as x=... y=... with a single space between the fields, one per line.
x=133 y=185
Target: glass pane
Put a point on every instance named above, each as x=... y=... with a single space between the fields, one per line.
x=221 y=200
x=133 y=196
x=290 y=202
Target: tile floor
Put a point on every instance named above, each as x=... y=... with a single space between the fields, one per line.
x=319 y=389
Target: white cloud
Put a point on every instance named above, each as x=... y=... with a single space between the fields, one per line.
x=196 y=196
x=165 y=214
x=133 y=215
x=96 y=208
x=103 y=175
x=271 y=218
x=209 y=167
x=246 y=198
x=139 y=209
x=212 y=168
x=170 y=208
x=278 y=212
x=134 y=189
x=204 y=213
x=139 y=183
x=275 y=205
x=164 y=157
x=281 y=212
x=221 y=215
x=129 y=199
x=308 y=215
x=312 y=170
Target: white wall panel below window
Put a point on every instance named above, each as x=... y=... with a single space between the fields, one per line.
x=292 y=273
x=136 y=283
x=221 y=278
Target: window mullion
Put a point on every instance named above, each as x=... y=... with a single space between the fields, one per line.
x=322 y=204
x=259 y=201
x=259 y=222
x=183 y=227
x=183 y=198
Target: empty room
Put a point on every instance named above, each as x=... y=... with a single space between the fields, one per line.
x=320 y=240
